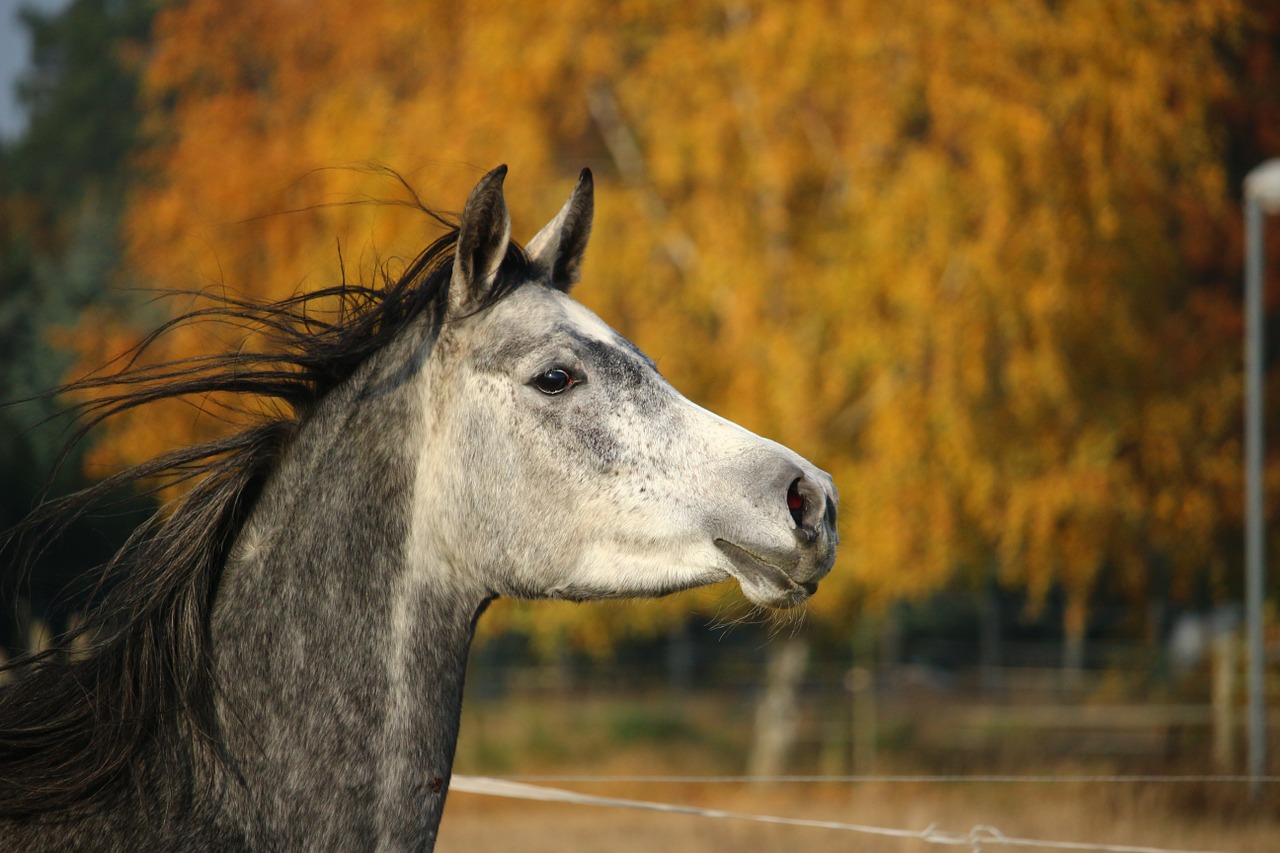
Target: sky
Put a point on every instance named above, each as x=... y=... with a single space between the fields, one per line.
x=15 y=53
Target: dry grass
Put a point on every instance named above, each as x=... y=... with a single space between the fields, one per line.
x=700 y=735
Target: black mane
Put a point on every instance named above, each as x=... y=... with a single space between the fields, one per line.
x=77 y=727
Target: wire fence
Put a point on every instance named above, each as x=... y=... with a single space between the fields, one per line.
x=1011 y=778
x=850 y=730
x=976 y=838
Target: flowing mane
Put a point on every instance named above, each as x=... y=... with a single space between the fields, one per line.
x=73 y=722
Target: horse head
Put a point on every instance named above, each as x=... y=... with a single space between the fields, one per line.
x=559 y=463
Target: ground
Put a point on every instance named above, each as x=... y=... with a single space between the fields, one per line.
x=1152 y=815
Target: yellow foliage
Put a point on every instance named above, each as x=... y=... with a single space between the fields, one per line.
x=931 y=246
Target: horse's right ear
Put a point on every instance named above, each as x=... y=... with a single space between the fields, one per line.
x=557 y=249
x=483 y=236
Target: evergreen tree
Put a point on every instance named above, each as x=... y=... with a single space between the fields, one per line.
x=62 y=185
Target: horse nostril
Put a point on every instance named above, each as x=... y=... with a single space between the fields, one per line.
x=813 y=509
x=796 y=503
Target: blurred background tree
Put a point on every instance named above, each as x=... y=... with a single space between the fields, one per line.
x=62 y=183
x=980 y=263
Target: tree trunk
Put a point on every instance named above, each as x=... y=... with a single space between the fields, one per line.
x=777 y=713
x=1075 y=620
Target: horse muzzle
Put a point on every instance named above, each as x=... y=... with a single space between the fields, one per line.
x=783 y=574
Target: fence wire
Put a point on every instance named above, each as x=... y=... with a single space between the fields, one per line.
x=976 y=839
x=877 y=779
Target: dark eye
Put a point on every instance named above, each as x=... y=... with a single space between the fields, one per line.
x=553 y=381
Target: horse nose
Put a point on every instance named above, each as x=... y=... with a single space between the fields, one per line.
x=813 y=508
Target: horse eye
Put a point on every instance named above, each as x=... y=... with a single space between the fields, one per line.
x=553 y=381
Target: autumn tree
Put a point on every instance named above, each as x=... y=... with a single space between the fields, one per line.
x=962 y=256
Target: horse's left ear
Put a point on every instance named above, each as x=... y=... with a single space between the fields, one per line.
x=558 y=247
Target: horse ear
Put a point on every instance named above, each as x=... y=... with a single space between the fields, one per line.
x=483 y=236
x=559 y=246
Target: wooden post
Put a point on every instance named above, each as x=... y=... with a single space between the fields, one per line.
x=1226 y=663
x=862 y=683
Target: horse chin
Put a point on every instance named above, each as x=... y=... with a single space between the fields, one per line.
x=764 y=582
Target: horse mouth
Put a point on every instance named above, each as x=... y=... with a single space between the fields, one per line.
x=764 y=582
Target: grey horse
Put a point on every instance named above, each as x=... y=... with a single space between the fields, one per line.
x=278 y=661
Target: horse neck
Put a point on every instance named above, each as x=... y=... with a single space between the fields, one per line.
x=341 y=656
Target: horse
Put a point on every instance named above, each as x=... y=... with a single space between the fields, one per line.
x=278 y=661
